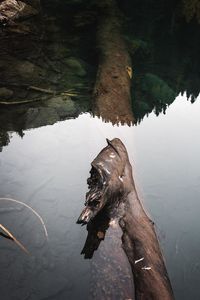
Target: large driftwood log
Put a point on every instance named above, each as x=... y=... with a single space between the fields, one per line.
x=111 y=185
x=112 y=99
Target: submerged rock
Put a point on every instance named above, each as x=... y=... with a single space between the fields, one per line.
x=158 y=89
x=56 y=109
x=65 y=107
x=5 y=93
x=76 y=66
x=57 y=51
x=20 y=70
x=41 y=116
x=28 y=70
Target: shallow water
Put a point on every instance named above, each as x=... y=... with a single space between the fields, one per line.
x=48 y=168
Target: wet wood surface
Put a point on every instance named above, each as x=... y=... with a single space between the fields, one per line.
x=117 y=197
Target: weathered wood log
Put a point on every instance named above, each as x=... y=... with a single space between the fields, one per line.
x=111 y=97
x=142 y=248
x=112 y=188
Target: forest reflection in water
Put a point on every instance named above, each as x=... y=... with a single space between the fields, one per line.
x=47 y=169
x=165 y=62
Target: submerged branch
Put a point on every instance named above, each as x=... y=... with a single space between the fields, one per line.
x=32 y=210
x=18 y=102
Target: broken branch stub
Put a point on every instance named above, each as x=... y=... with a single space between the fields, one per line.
x=107 y=184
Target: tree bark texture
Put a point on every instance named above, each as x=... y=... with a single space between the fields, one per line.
x=112 y=99
x=112 y=191
x=141 y=245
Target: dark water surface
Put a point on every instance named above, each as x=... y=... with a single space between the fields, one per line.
x=48 y=168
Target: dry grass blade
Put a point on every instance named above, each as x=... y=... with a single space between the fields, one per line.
x=13 y=238
x=33 y=211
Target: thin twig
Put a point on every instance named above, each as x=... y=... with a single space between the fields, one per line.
x=69 y=93
x=14 y=238
x=26 y=205
x=47 y=91
x=20 y=101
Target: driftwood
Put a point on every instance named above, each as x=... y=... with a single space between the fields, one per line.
x=111 y=185
x=11 y=10
x=111 y=97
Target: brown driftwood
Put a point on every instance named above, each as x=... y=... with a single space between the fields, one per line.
x=141 y=245
x=111 y=185
x=111 y=98
x=11 y=10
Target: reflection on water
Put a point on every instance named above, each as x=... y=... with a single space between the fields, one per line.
x=48 y=168
x=167 y=162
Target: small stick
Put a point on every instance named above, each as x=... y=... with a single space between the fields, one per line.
x=13 y=238
x=35 y=88
x=19 y=102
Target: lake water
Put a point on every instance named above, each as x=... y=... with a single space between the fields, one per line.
x=48 y=168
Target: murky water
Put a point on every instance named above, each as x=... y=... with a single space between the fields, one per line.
x=48 y=168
